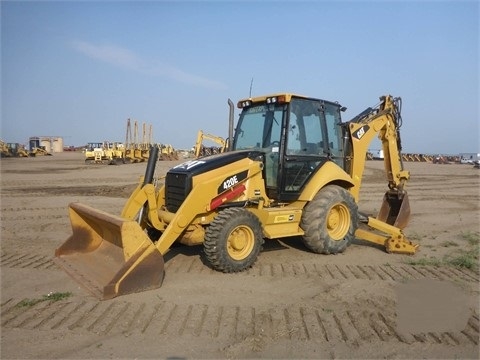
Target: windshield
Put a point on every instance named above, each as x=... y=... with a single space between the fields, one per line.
x=259 y=127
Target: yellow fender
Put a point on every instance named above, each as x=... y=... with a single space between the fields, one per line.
x=330 y=173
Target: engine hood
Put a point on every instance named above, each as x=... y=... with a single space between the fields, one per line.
x=207 y=163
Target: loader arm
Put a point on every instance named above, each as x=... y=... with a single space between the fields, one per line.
x=144 y=197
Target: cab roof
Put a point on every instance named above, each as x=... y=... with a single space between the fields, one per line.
x=279 y=97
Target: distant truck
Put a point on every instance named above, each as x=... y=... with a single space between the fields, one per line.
x=469 y=158
x=378 y=155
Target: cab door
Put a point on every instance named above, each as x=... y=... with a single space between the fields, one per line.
x=306 y=146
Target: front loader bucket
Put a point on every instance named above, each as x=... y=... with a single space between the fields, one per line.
x=395 y=209
x=109 y=255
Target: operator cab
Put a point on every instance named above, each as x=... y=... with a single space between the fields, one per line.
x=296 y=134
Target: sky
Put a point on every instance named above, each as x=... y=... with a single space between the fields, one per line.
x=80 y=69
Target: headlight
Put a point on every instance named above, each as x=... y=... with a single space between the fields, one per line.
x=244 y=103
x=276 y=99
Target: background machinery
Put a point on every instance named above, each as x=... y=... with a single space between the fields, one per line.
x=94 y=153
x=293 y=169
x=111 y=153
x=167 y=152
x=135 y=150
x=18 y=150
x=4 y=150
x=12 y=150
x=201 y=150
x=37 y=149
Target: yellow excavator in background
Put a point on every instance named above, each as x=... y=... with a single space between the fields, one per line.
x=293 y=169
x=201 y=150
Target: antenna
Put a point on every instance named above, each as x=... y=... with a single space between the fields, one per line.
x=251 y=85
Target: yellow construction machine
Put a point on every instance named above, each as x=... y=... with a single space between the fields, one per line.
x=107 y=153
x=18 y=150
x=200 y=149
x=136 y=151
x=4 y=150
x=39 y=151
x=114 y=151
x=293 y=169
x=12 y=150
x=167 y=152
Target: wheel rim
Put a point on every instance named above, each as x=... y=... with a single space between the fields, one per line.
x=240 y=243
x=338 y=222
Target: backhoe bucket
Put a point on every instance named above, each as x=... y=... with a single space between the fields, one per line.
x=395 y=209
x=109 y=255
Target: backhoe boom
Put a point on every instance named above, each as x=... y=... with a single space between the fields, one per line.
x=384 y=121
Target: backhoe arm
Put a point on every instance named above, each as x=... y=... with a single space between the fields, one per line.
x=384 y=121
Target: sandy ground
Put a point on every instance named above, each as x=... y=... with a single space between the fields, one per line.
x=292 y=303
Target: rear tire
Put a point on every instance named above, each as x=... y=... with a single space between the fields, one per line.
x=233 y=240
x=330 y=220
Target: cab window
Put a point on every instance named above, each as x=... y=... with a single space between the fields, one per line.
x=304 y=130
x=334 y=133
x=304 y=150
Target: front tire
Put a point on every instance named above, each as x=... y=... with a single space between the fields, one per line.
x=330 y=220
x=233 y=240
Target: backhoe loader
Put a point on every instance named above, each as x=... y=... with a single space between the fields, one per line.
x=293 y=169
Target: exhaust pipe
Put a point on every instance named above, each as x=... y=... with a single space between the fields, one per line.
x=152 y=161
x=230 y=125
x=148 y=178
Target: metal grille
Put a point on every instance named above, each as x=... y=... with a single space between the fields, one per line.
x=177 y=188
